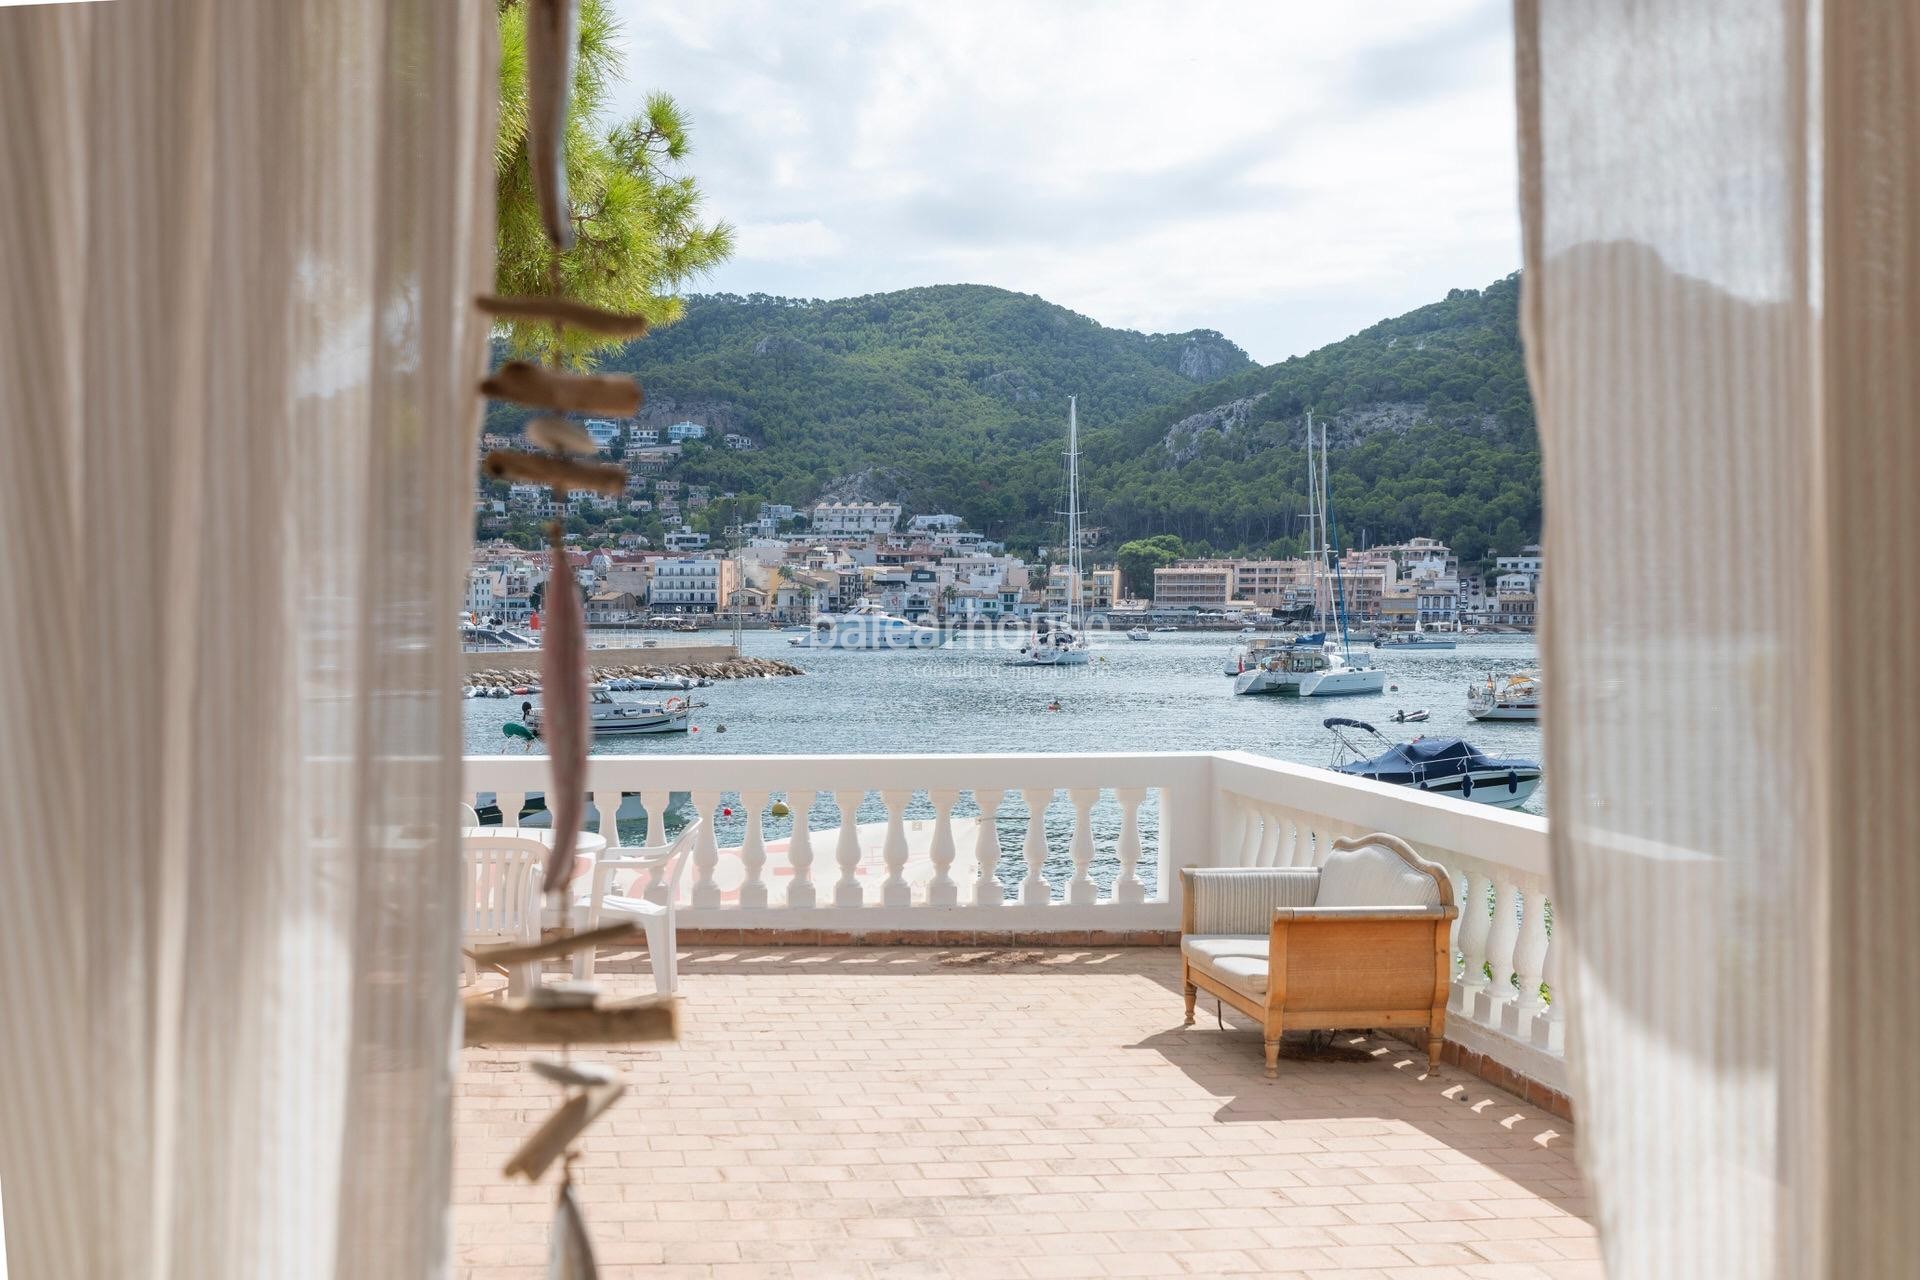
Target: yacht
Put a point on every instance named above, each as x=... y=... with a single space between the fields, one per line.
x=613 y=718
x=1138 y=633
x=1444 y=766
x=1514 y=695
x=867 y=626
x=1166 y=631
x=1254 y=652
x=1061 y=642
x=1314 y=666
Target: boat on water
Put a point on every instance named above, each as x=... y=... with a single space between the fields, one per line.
x=1138 y=633
x=1254 y=652
x=867 y=626
x=614 y=718
x=1418 y=638
x=1166 y=631
x=1443 y=766
x=1314 y=666
x=1512 y=695
x=1062 y=642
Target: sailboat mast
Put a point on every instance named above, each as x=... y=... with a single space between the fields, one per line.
x=1313 y=528
x=1073 y=508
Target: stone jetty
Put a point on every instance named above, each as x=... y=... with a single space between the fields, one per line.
x=739 y=668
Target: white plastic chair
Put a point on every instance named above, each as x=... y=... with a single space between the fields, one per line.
x=600 y=906
x=500 y=899
x=468 y=818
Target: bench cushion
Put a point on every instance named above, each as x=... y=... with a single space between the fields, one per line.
x=1237 y=959
x=1240 y=900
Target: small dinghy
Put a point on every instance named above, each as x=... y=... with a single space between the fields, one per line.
x=1444 y=766
x=1410 y=717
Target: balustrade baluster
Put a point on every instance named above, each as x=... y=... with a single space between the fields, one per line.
x=1247 y=848
x=1081 y=890
x=1529 y=958
x=846 y=850
x=1491 y=1001
x=986 y=850
x=1549 y=1026
x=941 y=890
x=1272 y=827
x=706 y=851
x=1033 y=890
x=1129 y=888
x=753 y=852
x=1475 y=923
x=1289 y=853
x=607 y=802
x=800 y=892
x=654 y=804
x=894 y=890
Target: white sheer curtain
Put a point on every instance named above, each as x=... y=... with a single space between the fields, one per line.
x=238 y=243
x=1722 y=208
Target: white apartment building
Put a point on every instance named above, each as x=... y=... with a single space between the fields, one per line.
x=692 y=584
x=855 y=519
x=643 y=436
x=603 y=430
x=681 y=432
x=1194 y=584
x=935 y=523
x=1529 y=561
x=685 y=539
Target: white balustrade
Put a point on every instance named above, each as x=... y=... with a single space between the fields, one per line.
x=1033 y=890
x=986 y=850
x=1221 y=808
x=894 y=890
x=1081 y=890
x=800 y=848
x=1129 y=887
x=941 y=890
x=753 y=852
x=846 y=850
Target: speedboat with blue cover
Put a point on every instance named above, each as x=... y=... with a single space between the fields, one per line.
x=1444 y=766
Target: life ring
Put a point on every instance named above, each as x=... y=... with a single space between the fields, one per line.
x=676 y=705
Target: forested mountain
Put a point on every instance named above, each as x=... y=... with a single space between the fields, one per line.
x=953 y=398
x=1429 y=418
x=947 y=398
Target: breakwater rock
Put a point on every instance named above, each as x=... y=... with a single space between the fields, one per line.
x=724 y=669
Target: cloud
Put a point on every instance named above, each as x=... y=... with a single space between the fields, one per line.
x=1285 y=173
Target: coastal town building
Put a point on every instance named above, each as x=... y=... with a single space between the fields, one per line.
x=681 y=432
x=855 y=519
x=692 y=584
x=1194 y=584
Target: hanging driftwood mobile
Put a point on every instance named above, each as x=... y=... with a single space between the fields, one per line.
x=570 y=1013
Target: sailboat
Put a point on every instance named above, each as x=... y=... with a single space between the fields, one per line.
x=1059 y=642
x=1314 y=666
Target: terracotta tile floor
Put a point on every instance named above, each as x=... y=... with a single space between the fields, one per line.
x=895 y=1112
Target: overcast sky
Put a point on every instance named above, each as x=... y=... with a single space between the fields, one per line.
x=1286 y=173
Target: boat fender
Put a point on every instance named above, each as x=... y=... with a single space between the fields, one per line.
x=780 y=809
x=1466 y=786
x=1513 y=782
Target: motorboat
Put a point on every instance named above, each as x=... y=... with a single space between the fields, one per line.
x=1410 y=717
x=1166 y=631
x=628 y=684
x=1053 y=644
x=611 y=717
x=1418 y=638
x=867 y=626
x=1138 y=633
x=1514 y=695
x=1443 y=766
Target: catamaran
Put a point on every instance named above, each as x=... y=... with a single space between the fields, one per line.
x=1057 y=642
x=867 y=626
x=1314 y=666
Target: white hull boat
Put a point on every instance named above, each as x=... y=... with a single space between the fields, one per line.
x=1514 y=696
x=1450 y=767
x=867 y=628
x=1140 y=634
x=612 y=718
x=1059 y=642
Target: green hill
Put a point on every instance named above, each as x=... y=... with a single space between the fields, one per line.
x=1431 y=426
x=953 y=398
